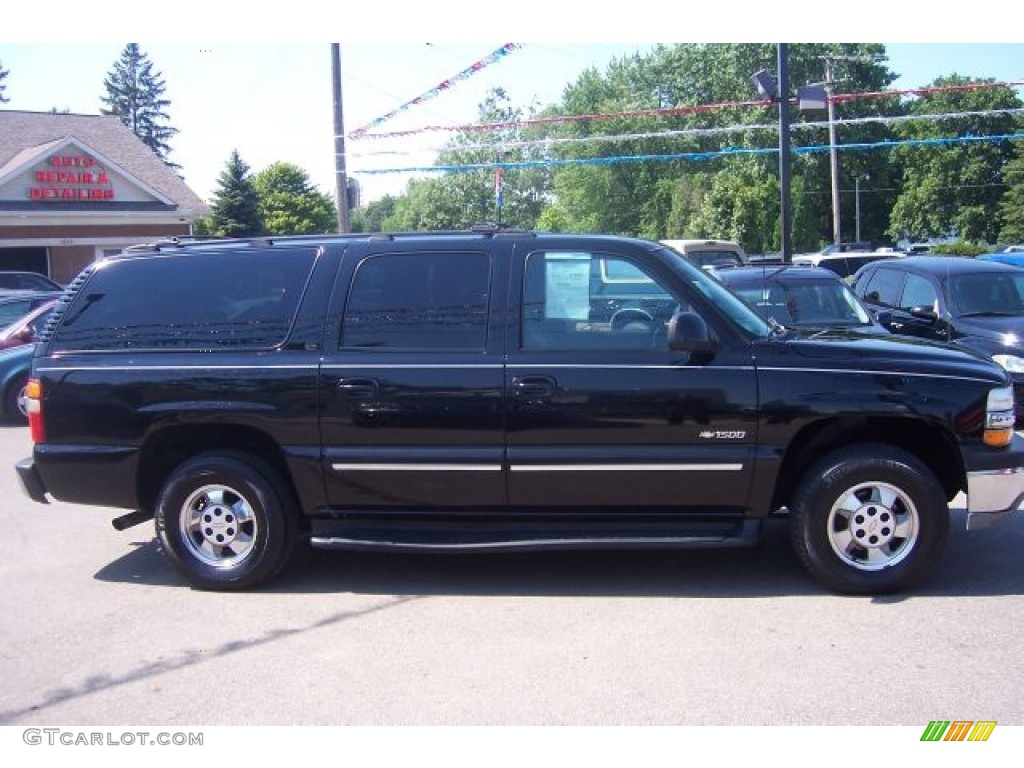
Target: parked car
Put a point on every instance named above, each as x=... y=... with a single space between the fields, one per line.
x=856 y=247
x=710 y=254
x=844 y=264
x=15 y=305
x=974 y=304
x=801 y=297
x=28 y=281
x=1013 y=258
x=26 y=329
x=475 y=391
x=14 y=369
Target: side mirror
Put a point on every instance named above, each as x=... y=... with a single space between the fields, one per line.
x=884 y=318
x=687 y=332
x=924 y=313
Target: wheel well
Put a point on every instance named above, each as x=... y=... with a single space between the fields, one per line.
x=170 y=447
x=933 y=445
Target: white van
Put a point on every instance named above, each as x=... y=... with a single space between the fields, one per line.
x=710 y=253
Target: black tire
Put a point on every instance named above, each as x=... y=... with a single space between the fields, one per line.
x=870 y=519
x=225 y=521
x=13 y=395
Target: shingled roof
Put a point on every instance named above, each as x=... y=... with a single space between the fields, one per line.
x=27 y=132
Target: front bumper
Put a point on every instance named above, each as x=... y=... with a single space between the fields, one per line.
x=995 y=483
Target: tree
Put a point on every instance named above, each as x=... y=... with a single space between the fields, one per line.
x=372 y=217
x=953 y=188
x=289 y=205
x=236 y=204
x=3 y=85
x=461 y=198
x=612 y=190
x=1011 y=206
x=134 y=92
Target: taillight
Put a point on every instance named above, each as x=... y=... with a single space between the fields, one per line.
x=34 y=406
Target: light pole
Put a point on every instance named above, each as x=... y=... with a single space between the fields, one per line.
x=778 y=92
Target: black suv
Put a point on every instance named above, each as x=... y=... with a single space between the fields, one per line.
x=977 y=305
x=497 y=390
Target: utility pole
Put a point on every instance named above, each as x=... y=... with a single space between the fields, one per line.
x=341 y=179
x=833 y=153
x=784 y=172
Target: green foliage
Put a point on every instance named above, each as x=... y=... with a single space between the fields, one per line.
x=371 y=217
x=3 y=85
x=204 y=225
x=134 y=92
x=954 y=189
x=236 y=205
x=289 y=205
x=693 y=197
x=962 y=248
x=460 y=199
x=1011 y=205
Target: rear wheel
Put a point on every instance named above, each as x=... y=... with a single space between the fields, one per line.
x=225 y=521
x=870 y=519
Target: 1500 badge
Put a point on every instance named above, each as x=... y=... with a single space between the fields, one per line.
x=735 y=435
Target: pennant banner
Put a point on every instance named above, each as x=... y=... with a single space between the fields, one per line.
x=518 y=165
x=838 y=98
x=440 y=88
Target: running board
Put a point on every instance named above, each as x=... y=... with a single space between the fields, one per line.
x=744 y=534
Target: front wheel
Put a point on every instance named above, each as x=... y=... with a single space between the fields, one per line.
x=870 y=519
x=224 y=521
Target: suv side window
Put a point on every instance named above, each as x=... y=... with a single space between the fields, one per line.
x=196 y=301
x=585 y=301
x=884 y=288
x=919 y=292
x=419 y=301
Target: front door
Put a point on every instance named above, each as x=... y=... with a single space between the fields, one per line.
x=601 y=413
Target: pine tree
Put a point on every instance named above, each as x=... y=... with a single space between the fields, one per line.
x=236 y=204
x=3 y=85
x=135 y=95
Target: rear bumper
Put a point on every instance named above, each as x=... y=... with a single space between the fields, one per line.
x=995 y=483
x=31 y=482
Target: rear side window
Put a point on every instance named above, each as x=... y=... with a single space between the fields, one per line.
x=419 y=301
x=197 y=301
x=884 y=288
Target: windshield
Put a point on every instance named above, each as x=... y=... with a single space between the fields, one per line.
x=805 y=303
x=715 y=258
x=987 y=293
x=727 y=302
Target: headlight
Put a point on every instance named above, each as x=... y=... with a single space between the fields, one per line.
x=1011 y=363
x=999 y=417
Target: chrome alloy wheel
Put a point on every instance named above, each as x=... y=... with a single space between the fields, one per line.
x=873 y=526
x=218 y=526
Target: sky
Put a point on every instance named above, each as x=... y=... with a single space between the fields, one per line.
x=272 y=101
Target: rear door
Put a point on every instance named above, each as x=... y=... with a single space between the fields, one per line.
x=411 y=381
